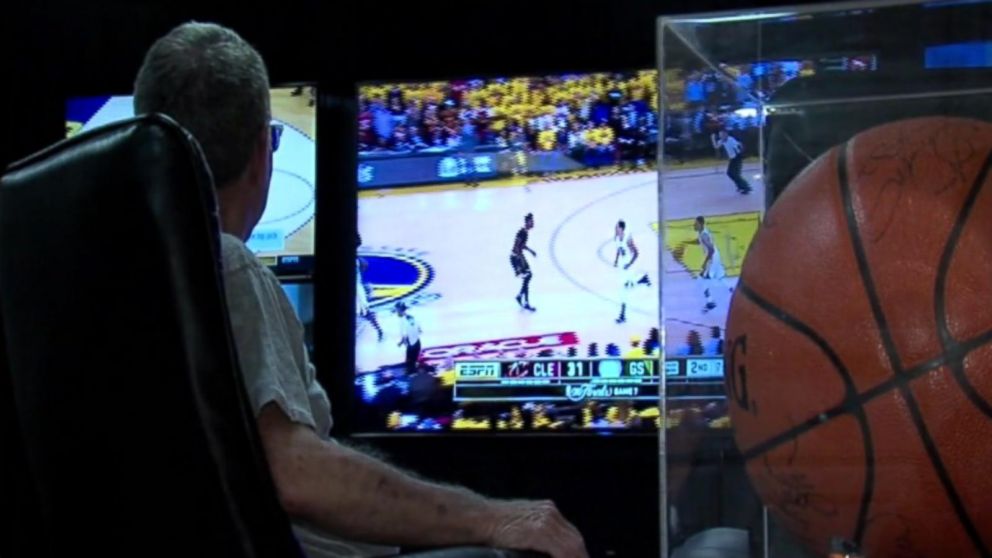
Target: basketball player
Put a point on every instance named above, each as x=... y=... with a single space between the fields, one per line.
x=735 y=154
x=362 y=308
x=410 y=336
x=520 y=266
x=712 y=269
x=626 y=255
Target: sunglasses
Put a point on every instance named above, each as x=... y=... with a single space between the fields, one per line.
x=276 y=129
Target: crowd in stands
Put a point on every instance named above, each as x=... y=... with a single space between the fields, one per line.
x=724 y=98
x=593 y=118
x=738 y=85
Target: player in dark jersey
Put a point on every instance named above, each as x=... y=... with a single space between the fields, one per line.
x=363 y=293
x=410 y=337
x=520 y=266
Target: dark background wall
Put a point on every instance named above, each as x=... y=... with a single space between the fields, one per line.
x=51 y=50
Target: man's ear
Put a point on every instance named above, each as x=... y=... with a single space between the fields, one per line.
x=262 y=143
x=260 y=154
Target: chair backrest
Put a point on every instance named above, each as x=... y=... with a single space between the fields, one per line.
x=126 y=427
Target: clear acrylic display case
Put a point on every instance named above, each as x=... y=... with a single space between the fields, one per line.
x=827 y=279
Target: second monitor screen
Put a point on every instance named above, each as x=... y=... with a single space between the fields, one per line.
x=284 y=238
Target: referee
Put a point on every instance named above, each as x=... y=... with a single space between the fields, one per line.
x=409 y=336
x=735 y=152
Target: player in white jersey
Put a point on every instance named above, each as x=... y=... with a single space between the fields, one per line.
x=626 y=255
x=712 y=268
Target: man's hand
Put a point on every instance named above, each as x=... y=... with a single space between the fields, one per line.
x=350 y=494
x=537 y=526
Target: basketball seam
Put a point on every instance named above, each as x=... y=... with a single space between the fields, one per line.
x=947 y=340
x=865 y=397
x=893 y=357
x=850 y=404
x=955 y=353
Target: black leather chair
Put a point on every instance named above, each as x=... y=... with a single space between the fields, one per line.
x=124 y=413
x=124 y=426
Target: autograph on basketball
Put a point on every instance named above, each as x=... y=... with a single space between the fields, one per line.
x=795 y=496
x=899 y=159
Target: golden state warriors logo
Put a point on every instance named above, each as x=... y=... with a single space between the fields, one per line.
x=393 y=275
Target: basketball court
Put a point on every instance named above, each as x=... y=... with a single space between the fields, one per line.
x=291 y=210
x=286 y=227
x=458 y=240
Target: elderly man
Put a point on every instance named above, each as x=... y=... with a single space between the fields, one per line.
x=216 y=85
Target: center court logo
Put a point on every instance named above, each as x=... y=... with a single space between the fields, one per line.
x=393 y=275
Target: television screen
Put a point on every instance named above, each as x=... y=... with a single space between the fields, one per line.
x=300 y=295
x=509 y=246
x=713 y=195
x=975 y=54
x=509 y=234
x=848 y=63
x=734 y=92
x=284 y=238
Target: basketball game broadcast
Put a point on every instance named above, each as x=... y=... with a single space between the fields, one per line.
x=509 y=255
x=631 y=280
x=284 y=239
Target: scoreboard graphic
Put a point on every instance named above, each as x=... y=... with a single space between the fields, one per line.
x=557 y=380
x=578 y=380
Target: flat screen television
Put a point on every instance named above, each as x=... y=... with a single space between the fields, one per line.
x=284 y=238
x=450 y=173
x=518 y=319
x=300 y=296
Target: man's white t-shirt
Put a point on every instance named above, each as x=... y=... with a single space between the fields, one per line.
x=276 y=369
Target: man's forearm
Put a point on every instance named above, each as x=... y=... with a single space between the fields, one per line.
x=356 y=496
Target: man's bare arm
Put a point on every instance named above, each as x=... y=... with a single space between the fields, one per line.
x=356 y=496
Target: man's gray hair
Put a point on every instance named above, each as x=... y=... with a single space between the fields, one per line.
x=214 y=84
